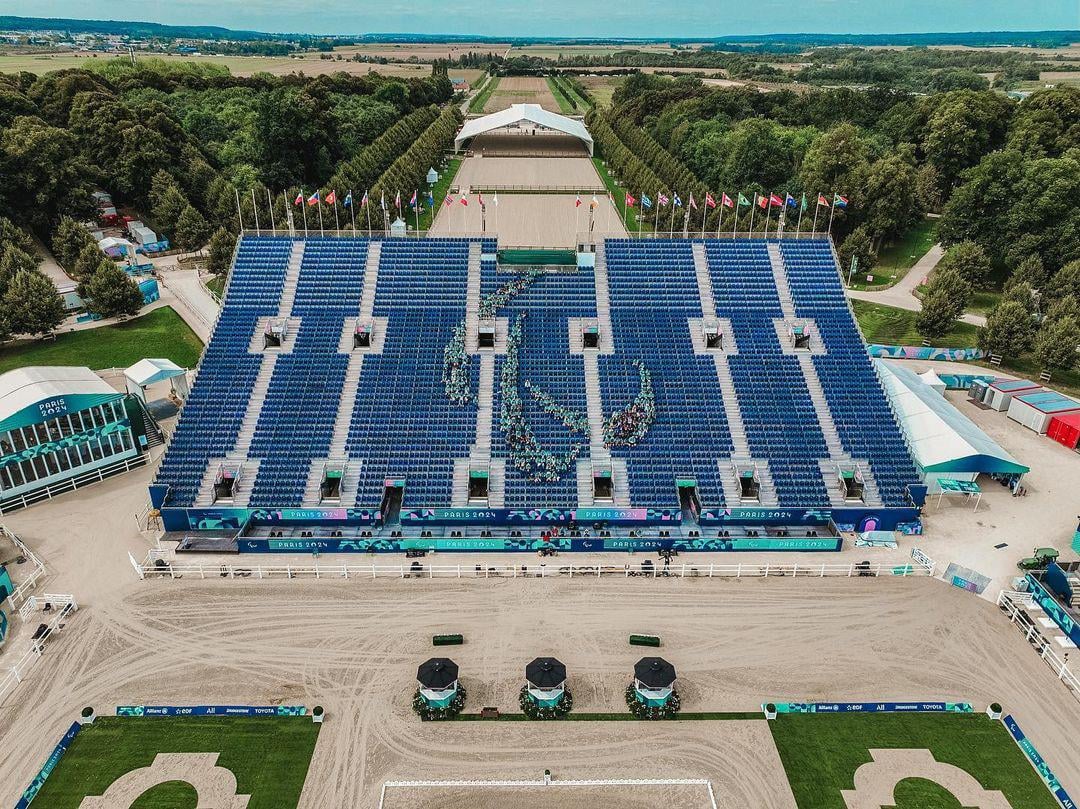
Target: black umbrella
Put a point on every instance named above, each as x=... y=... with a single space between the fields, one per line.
x=545 y=672
x=437 y=673
x=654 y=672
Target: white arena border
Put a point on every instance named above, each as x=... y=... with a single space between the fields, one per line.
x=548 y=781
x=157 y=565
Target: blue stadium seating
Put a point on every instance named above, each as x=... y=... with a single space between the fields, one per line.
x=403 y=425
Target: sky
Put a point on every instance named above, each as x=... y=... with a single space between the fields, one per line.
x=580 y=18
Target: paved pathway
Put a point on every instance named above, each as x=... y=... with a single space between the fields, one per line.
x=902 y=294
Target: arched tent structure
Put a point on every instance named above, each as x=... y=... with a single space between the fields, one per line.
x=944 y=442
x=518 y=114
x=146 y=372
x=930 y=377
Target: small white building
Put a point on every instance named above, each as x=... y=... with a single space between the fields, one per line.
x=1000 y=392
x=1036 y=410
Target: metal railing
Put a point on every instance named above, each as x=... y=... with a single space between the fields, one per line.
x=19 y=595
x=71 y=484
x=17 y=673
x=1014 y=605
x=157 y=566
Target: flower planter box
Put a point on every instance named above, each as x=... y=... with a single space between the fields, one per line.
x=644 y=640
x=447 y=640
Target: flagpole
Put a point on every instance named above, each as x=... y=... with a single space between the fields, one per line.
x=671 y=226
x=367 y=210
x=753 y=210
x=735 y=219
x=239 y=214
x=817 y=207
x=798 y=226
x=768 y=215
x=270 y=204
x=416 y=210
x=832 y=210
x=303 y=209
x=352 y=212
x=704 y=215
x=656 y=217
x=255 y=212
x=720 y=215
x=319 y=202
x=337 y=222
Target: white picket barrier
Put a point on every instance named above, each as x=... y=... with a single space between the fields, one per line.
x=20 y=594
x=1015 y=605
x=157 y=566
x=64 y=605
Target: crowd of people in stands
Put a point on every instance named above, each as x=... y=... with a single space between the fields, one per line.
x=628 y=426
x=572 y=419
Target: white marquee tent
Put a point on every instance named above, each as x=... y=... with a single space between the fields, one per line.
x=518 y=114
x=147 y=372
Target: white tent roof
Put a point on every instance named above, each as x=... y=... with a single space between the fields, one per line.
x=941 y=438
x=23 y=388
x=112 y=241
x=931 y=378
x=524 y=113
x=147 y=372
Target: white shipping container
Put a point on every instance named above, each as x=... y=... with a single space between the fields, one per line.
x=1030 y=417
x=144 y=235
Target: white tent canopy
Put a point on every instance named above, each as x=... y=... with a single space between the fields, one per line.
x=518 y=114
x=944 y=442
x=146 y=372
x=931 y=379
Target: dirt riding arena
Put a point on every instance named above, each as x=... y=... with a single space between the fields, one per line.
x=521 y=90
x=550 y=797
x=527 y=142
x=529 y=172
x=531 y=220
x=353 y=646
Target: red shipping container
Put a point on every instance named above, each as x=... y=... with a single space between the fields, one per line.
x=1065 y=429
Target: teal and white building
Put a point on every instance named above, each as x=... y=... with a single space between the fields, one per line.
x=654 y=681
x=62 y=428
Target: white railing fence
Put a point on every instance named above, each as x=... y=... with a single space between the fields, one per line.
x=63 y=605
x=19 y=596
x=1015 y=605
x=157 y=566
x=548 y=782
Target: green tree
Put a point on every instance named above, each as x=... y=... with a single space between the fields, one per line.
x=969 y=260
x=110 y=292
x=221 y=247
x=891 y=194
x=32 y=304
x=1068 y=306
x=836 y=162
x=169 y=208
x=1031 y=271
x=1066 y=281
x=860 y=246
x=192 y=230
x=1055 y=347
x=69 y=238
x=89 y=257
x=938 y=314
x=1010 y=330
x=11 y=234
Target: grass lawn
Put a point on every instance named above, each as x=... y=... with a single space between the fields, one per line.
x=821 y=752
x=481 y=98
x=217 y=285
x=160 y=333
x=446 y=179
x=899 y=257
x=268 y=755
x=619 y=193
x=557 y=90
x=891 y=326
x=983 y=300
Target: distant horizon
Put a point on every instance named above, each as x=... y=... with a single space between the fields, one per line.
x=587 y=20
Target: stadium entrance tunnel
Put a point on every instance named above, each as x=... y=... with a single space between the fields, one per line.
x=689 y=502
x=390 y=509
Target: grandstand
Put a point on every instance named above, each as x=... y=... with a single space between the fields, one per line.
x=384 y=393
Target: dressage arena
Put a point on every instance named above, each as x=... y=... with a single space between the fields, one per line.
x=531 y=220
x=558 y=173
x=353 y=646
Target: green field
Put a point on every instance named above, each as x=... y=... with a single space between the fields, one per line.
x=821 y=752
x=438 y=193
x=481 y=98
x=160 y=333
x=619 y=193
x=897 y=258
x=891 y=326
x=268 y=755
x=560 y=93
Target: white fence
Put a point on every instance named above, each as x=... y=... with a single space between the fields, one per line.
x=64 y=605
x=548 y=782
x=19 y=596
x=1015 y=605
x=72 y=483
x=156 y=565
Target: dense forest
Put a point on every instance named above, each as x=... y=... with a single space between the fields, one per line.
x=1003 y=176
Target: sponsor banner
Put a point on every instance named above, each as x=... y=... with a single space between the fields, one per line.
x=872 y=707
x=233 y=519
x=541 y=516
x=855 y=519
x=50 y=765
x=925 y=353
x=1051 y=607
x=710 y=544
x=1038 y=763
x=211 y=710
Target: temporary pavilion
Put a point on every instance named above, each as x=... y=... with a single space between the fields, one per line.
x=518 y=115
x=945 y=443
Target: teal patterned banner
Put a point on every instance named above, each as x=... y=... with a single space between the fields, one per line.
x=67 y=442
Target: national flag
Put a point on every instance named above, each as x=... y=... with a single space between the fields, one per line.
x=495 y=199
x=710 y=202
x=630 y=201
x=743 y=200
x=431 y=199
x=577 y=201
x=692 y=203
x=382 y=200
x=364 y=200
x=313 y=199
x=839 y=201
x=348 y=200
x=676 y=202
x=449 y=199
x=480 y=198
x=299 y=198
x=822 y=201
x=397 y=200
x=803 y=205
x=775 y=201
x=791 y=202
x=464 y=200
x=762 y=201
x=412 y=201
x=645 y=201
x=727 y=201
x=594 y=204
x=662 y=199
x=331 y=198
